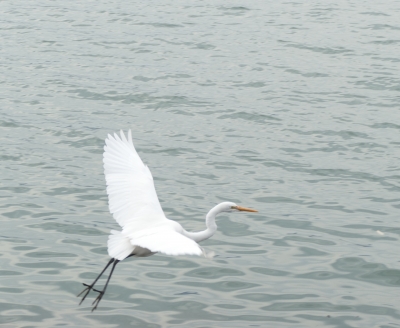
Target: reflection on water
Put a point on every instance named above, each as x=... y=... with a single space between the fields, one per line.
x=289 y=108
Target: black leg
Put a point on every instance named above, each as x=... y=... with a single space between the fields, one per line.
x=89 y=287
x=101 y=293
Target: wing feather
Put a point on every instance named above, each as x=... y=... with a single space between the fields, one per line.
x=135 y=206
x=130 y=186
x=166 y=241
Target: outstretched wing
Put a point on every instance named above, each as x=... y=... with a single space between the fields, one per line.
x=168 y=242
x=158 y=240
x=130 y=187
x=165 y=238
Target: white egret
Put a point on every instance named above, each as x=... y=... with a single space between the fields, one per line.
x=135 y=206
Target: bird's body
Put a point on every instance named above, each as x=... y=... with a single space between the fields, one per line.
x=134 y=204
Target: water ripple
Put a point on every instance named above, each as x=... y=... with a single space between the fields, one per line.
x=284 y=107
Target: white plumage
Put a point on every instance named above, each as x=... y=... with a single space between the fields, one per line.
x=133 y=202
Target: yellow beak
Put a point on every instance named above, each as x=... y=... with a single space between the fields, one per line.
x=245 y=209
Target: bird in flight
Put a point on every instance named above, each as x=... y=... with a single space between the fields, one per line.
x=134 y=204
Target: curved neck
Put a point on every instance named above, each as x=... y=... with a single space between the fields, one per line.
x=211 y=226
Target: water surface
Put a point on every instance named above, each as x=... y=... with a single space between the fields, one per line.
x=290 y=108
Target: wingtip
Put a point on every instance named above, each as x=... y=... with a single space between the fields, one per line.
x=130 y=136
x=116 y=137
x=123 y=137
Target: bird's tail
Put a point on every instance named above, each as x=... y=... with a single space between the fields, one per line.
x=119 y=245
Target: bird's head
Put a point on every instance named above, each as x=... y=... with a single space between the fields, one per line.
x=232 y=207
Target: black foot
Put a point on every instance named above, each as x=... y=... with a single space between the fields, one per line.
x=87 y=290
x=97 y=300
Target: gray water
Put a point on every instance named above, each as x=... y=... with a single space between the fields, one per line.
x=291 y=108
